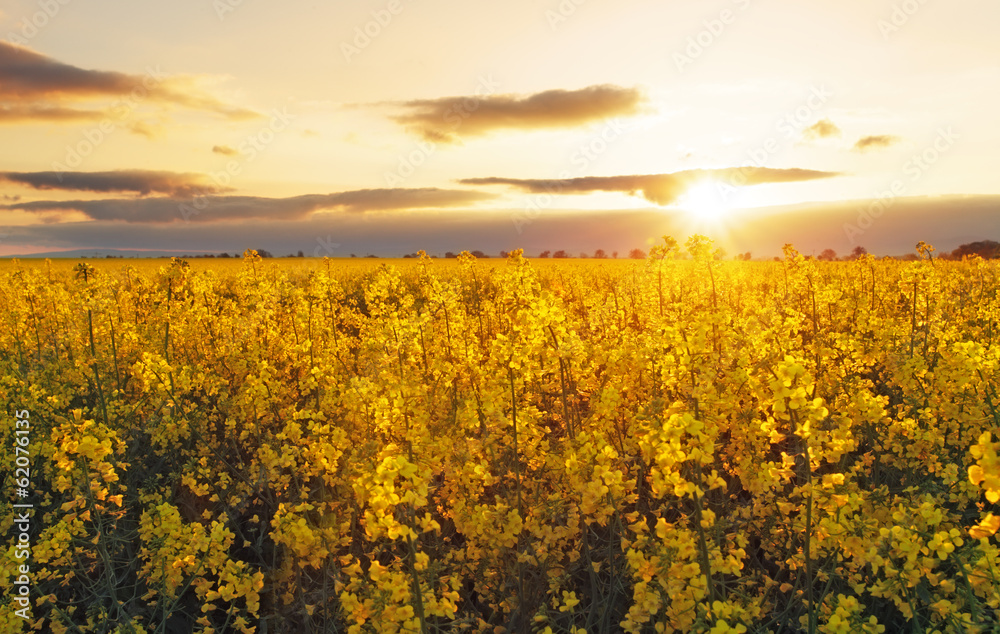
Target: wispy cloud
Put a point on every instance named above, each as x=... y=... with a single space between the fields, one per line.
x=40 y=88
x=28 y=113
x=143 y=128
x=225 y=150
x=441 y=120
x=822 y=129
x=875 y=142
x=661 y=189
x=218 y=208
x=142 y=182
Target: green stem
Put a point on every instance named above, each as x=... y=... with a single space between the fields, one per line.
x=517 y=474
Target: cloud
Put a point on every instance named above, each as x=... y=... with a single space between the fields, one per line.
x=217 y=208
x=875 y=142
x=144 y=129
x=441 y=120
x=39 y=88
x=26 y=75
x=39 y=113
x=224 y=150
x=822 y=129
x=142 y=182
x=27 y=113
x=661 y=189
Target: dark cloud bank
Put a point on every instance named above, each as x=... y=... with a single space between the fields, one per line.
x=945 y=222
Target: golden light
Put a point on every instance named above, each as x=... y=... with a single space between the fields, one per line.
x=705 y=200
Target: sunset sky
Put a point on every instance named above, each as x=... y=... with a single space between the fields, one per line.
x=389 y=126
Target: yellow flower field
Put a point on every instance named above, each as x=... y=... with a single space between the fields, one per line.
x=680 y=444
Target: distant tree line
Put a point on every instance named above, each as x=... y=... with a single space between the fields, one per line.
x=986 y=249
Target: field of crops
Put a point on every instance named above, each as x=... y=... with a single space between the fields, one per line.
x=676 y=444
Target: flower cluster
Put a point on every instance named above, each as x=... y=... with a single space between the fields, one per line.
x=681 y=444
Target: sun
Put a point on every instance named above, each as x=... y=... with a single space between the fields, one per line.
x=705 y=200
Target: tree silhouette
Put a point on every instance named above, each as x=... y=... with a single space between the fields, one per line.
x=600 y=254
x=986 y=249
x=637 y=254
x=544 y=254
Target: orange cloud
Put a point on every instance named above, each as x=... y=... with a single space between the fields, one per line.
x=448 y=119
x=142 y=182
x=822 y=129
x=661 y=189
x=875 y=142
x=27 y=113
x=216 y=208
x=39 y=88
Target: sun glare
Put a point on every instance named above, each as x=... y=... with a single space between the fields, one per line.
x=705 y=200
